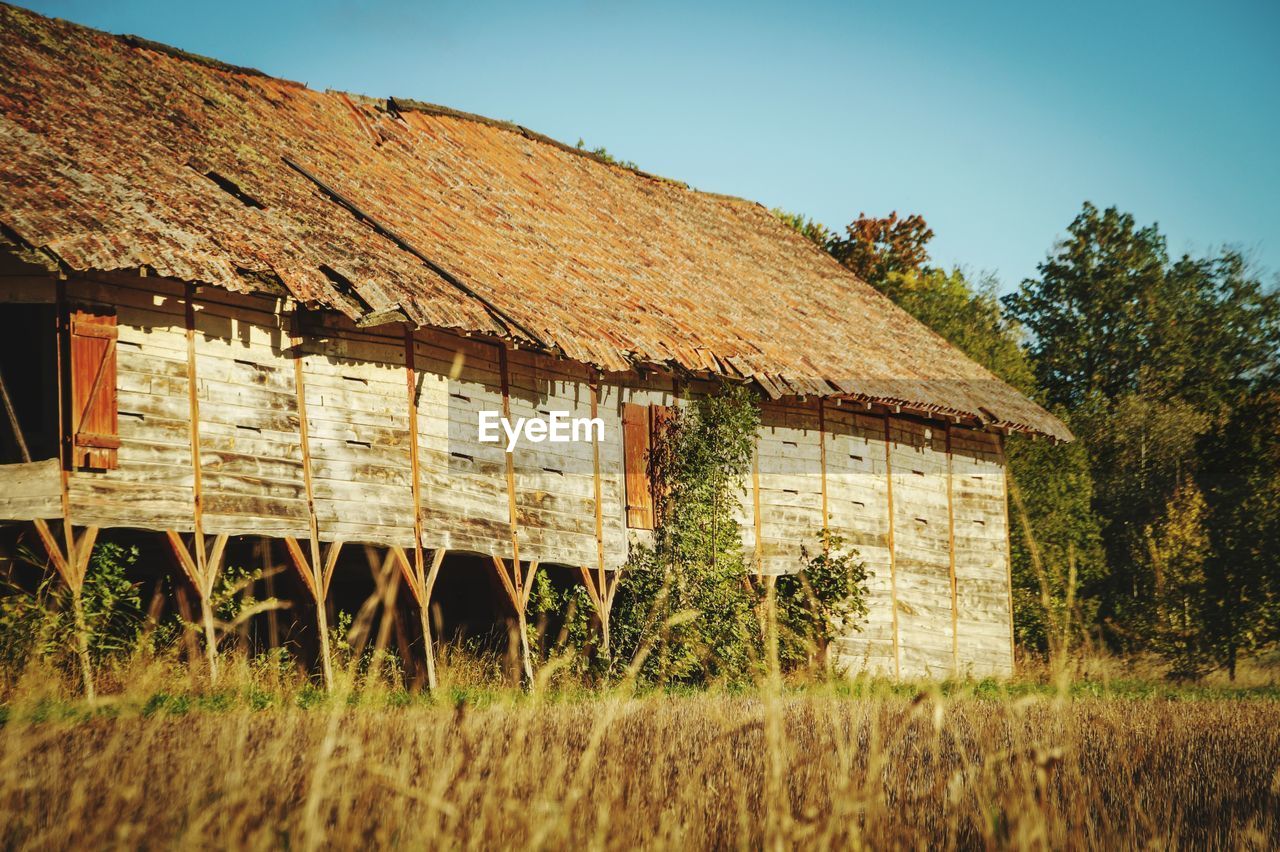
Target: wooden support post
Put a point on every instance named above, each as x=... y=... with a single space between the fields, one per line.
x=421 y=584
x=822 y=465
x=1008 y=547
x=269 y=577
x=202 y=570
x=893 y=578
x=597 y=596
x=511 y=462
x=311 y=566
x=518 y=585
x=418 y=581
x=755 y=506
x=316 y=576
x=601 y=592
x=951 y=556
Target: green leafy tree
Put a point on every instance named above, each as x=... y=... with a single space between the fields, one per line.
x=811 y=230
x=1178 y=547
x=1238 y=475
x=1148 y=356
x=874 y=248
x=684 y=610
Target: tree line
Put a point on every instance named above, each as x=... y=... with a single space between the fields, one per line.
x=1158 y=529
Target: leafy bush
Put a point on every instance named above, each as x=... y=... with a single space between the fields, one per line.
x=39 y=623
x=820 y=602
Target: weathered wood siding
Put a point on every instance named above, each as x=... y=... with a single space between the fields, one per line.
x=984 y=618
x=917 y=513
x=249 y=437
x=152 y=486
x=858 y=510
x=788 y=451
x=921 y=542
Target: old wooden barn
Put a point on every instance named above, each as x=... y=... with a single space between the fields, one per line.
x=237 y=310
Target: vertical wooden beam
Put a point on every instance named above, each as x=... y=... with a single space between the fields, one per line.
x=62 y=341
x=193 y=432
x=951 y=553
x=1008 y=547
x=415 y=471
x=822 y=461
x=893 y=577
x=601 y=609
x=511 y=462
x=518 y=585
x=269 y=577
x=204 y=570
x=322 y=616
x=755 y=506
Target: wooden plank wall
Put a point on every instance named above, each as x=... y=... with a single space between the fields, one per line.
x=901 y=504
x=858 y=508
x=358 y=433
x=790 y=486
x=984 y=619
x=250 y=449
x=152 y=486
x=921 y=541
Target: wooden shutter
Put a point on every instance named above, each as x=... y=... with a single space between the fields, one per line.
x=95 y=434
x=635 y=458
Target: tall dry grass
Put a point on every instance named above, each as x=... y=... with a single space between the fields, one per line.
x=268 y=762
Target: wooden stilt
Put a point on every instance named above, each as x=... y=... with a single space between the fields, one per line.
x=595 y=589
x=316 y=576
x=601 y=590
x=421 y=582
x=311 y=568
x=518 y=584
x=202 y=569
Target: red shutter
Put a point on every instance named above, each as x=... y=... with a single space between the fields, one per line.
x=95 y=435
x=635 y=458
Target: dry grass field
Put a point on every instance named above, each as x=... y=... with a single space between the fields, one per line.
x=259 y=763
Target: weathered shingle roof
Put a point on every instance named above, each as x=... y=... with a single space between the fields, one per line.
x=121 y=154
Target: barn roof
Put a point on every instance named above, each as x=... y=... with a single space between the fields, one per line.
x=123 y=154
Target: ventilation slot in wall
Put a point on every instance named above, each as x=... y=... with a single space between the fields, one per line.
x=352 y=442
x=554 y=470
x=790 y=444
x=918 y=472
x=462 y=397
x=462 y=456
x=130 y=344
x=255 y=429
x=132 y=415
x=357 y=379
x=980 y=522
x=922 y=521
x=855 y=457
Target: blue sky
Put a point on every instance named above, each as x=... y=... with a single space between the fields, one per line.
x=994 y=120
